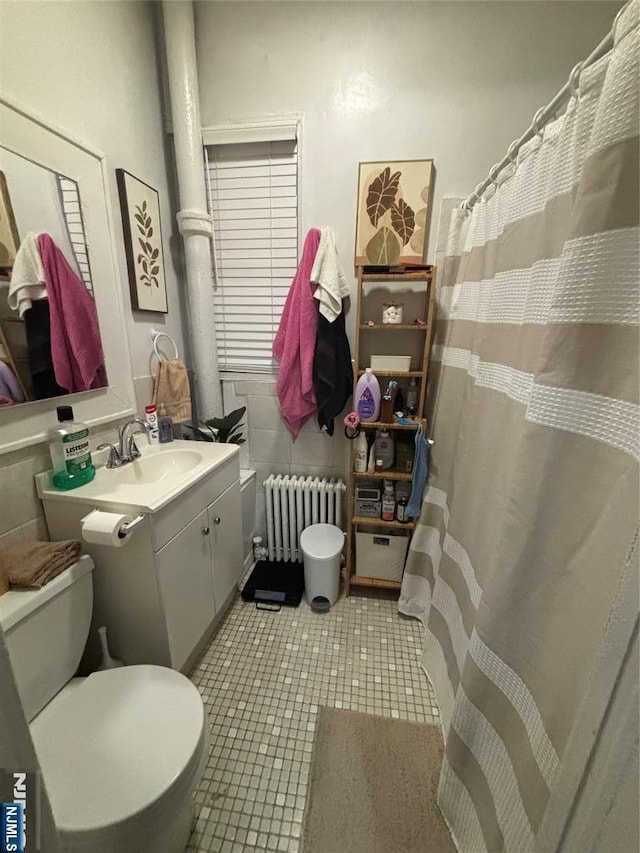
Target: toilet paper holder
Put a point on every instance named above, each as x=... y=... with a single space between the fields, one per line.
x=126 y=529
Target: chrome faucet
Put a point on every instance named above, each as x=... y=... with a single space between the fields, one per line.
x=127 y=451
x=128 y=448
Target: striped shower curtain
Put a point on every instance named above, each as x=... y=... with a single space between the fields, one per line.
x=527 y=544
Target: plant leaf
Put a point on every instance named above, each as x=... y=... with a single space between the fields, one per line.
x=139 y=219
x=381 y=194
x=383 y=249
x=144 y=206
x=155 y=270
x=154 y=254
x=403 y=220
x=143 y=245
x=150 y=232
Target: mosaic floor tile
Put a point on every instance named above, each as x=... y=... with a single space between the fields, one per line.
x=262 y=679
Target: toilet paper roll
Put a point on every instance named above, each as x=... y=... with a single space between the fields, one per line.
x=103 y=528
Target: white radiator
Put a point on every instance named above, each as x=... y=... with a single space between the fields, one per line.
x=294 y=503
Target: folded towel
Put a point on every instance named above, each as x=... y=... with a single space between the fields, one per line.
x=327 y=272
x=27 y=276
x=171 y=388
x=37 y=563
x=4 y=577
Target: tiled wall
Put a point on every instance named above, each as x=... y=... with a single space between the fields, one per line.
x=270 y=449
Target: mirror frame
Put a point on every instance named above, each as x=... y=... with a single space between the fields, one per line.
x=36 y=139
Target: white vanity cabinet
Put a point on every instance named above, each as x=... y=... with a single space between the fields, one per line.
x=162 y=593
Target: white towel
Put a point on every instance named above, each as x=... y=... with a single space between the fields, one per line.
x=27 y=277
x=327 y=273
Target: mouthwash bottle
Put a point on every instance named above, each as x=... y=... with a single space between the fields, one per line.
x=69 y=448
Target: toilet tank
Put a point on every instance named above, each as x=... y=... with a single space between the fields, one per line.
x=45 y=631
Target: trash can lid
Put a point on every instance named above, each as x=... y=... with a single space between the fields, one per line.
x=321 y=541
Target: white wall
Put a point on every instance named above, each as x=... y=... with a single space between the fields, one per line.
x=91 y=69
x=454 y=81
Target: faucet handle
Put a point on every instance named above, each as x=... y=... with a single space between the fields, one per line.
x=114 y=460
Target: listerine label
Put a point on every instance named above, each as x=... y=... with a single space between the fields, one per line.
x=76 y=451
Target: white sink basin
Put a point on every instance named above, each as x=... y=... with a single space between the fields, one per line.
x=147 y=485
x=153 y=469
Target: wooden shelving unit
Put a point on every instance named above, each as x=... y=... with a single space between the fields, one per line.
x=424 y=275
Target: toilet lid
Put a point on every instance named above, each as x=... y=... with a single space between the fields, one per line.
x=109 y=745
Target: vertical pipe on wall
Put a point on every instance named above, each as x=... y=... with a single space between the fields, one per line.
x=194 y=221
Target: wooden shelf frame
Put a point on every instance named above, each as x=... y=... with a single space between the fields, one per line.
x=427 y=276
x=379 y=522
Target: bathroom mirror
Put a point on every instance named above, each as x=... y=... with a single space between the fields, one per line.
x=36 y=327
x=42 y=153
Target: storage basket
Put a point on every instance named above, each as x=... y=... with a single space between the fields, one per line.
x=381 y=555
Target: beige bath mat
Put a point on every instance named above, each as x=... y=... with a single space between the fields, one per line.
x=373 y=787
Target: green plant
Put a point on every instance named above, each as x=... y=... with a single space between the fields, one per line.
x=225 y=430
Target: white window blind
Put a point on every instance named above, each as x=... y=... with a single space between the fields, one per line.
x=253 y=199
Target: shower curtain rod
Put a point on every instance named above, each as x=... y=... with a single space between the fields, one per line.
x=543 y=115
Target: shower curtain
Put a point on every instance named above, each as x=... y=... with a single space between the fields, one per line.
x=526 y=548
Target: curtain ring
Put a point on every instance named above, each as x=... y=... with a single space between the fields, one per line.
x=574 y=80
x=476 y=193
x=493 y=174
x=536 y=122
x=512 y=151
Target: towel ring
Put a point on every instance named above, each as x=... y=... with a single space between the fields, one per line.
x=156 y=335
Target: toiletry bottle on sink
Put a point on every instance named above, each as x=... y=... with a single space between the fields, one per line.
x=69 y=448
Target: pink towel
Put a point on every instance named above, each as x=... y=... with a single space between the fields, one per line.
x=295 y=342
x=76 y=348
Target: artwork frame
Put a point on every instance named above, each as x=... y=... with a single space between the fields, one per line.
x=9 y=235
x=142 y=231
x=393 y=212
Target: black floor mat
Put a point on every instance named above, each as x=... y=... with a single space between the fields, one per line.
x=275 y=582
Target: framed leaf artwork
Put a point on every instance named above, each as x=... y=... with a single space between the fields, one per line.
x=140 y=211
x=394 y=208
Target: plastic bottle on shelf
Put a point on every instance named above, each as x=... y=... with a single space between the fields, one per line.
x=412 y=397
x=361 y=452
x=384 y=450
x=368 y=396
x=388 y=501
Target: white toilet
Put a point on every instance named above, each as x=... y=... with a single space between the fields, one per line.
x=121 y=751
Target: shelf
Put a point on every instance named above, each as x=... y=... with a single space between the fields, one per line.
x=393 y=372
x=383 y=475
x=407 y=275
x=395 y=327
x=378 y=522
x=356 y=580
x=394 y=425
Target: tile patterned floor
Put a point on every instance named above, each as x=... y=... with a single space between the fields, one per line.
x=262 y=679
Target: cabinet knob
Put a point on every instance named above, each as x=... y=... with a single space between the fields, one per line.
x=217 y=520
x=205 y=531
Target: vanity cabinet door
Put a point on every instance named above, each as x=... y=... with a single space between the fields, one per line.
x=225 y=521
x=186 y=587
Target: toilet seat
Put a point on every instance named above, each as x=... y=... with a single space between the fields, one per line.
x=117 y=744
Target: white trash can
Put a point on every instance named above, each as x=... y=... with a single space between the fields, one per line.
x=321 y=547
